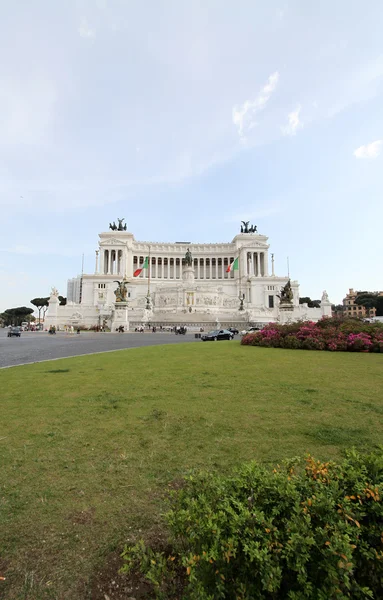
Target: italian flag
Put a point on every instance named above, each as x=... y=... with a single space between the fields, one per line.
x=233 y=266
x=144 y=266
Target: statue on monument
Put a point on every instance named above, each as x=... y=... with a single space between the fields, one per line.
x=121 y=227
x=286 y=296
x=188 y=258
x=246 y=229
x=121 y=292
x=325 y=297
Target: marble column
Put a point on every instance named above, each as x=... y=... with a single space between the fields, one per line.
x=259 y=264
x=96 y=269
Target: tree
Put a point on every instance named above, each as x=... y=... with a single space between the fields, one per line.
x=41 y=303
x=337 y=308
x=62 y=300
x=379 y=306
x=15 y=316
x=311 y=303
x=366 y=299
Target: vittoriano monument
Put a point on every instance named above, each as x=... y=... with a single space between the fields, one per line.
x=233 y=282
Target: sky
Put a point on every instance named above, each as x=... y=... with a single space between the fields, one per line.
x=185 y=118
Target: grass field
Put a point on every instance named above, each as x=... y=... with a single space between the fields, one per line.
x=88 y=445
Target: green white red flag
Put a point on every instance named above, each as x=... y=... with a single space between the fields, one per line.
x=233 y=266
x=137 y=272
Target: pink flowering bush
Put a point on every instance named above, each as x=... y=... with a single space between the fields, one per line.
x=335 y=335
x=359 y=342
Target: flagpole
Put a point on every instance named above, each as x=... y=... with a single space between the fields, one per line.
x=239 y=270
x=240 y=280
x=149 y=272
x=148 y=295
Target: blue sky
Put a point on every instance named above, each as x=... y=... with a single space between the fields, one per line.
x=184 y=118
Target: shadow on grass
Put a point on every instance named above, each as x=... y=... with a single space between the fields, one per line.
x=58 y=371
x=328 y=434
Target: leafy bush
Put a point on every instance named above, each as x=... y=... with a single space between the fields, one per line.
x=291 y=341
x=306 y=530
x=328 y=334
x=248 y=339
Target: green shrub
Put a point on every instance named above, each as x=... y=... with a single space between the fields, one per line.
x=306 y=530
x=291 y=342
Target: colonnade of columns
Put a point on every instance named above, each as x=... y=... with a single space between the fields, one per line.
x=112 y=262
x=256 y=264
x=168 y=267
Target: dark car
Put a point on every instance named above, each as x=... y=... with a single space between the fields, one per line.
x=14 y=331
x=218 y=334
x=233 y=330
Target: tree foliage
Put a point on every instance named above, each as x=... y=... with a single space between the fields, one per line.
x=41 y=305
x=311 y=303
x=366 y=299
x=15 y=316
x=370 y=300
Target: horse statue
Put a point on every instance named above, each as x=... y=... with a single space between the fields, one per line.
x=120 y=225
x=113 y=226
x=245 y=226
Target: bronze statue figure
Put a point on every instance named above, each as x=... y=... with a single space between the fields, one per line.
x=188 y=258
x=286 y=295
x=120 y=225
x=121 y=291
x=246 y=229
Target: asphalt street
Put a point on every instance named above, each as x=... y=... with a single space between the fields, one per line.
x=38 y=346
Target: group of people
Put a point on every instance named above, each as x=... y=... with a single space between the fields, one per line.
x=68 y=329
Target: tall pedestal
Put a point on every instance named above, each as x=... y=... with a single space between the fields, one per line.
x=286 y=310
x=120 y=316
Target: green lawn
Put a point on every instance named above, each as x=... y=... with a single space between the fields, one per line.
x=88 y=445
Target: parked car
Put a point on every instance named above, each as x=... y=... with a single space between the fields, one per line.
x=14 y=332
x=233 y=330
x=218 y=334
x=250 y=330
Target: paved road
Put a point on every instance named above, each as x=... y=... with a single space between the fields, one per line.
x=37 y=346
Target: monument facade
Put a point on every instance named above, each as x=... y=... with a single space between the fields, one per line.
x=198 y=285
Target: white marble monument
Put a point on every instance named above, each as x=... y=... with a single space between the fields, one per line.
x=196 y=285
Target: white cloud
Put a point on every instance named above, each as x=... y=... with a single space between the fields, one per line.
x=294 y=122
x=244 y=116
x=85 y=30
x=371 y=150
